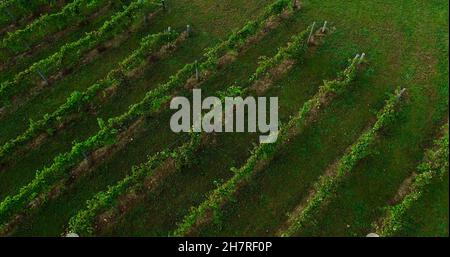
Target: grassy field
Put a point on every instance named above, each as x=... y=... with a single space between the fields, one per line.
x=406 y=46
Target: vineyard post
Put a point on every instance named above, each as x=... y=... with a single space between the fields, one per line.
x=42 y=76
x=400 y=94
x=72 y=235
x=188 y=30
x=324 y=26
x=312 y=31
x=87 y=158
x=361 y=59
x=297 y=4
x=197 y=74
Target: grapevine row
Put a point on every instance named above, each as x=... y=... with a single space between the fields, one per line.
x=107 y=134
x=327 y=184
x=83 y=221
x=48 y=24
x=434 y=165
x=70 y=54
x=77 y=99
x=156 y=98
x=115 y=78
x=263 y=152
x=10 y=10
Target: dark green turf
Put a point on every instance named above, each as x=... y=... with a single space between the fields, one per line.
x=406 y=43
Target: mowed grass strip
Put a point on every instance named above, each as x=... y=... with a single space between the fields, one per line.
x=435 y=165
x=386 y=31
x=83 y=222
x=428 y=217
x=402 y=149
x=155 y=99
x=374 y=182
x=194 y=49
x=391 y=63
x=154 y=46
x=326 y=187
x=51 y=45
x=168 y=204
x=113 y=134
x=16 y=14
x=24 y=39
x=211 y=210
x=26 y=85
x=21 y=171
x=82 y=77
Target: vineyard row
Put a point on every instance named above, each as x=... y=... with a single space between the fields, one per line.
x=83 y=222
x=434 y=165
x=153 y=101
x=71 y=54
x=71 y=15
x=262 y=153
x=327 y=184
x=77 y=100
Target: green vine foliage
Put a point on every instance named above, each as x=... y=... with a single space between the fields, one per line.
x=106 y=135
x=71 y=15
x=82 y=223
x=435 y=165
x=12 y=10
x=77 y=100
x=326 y=186
x=153 y=100
x=295 y=49
x=71 y=53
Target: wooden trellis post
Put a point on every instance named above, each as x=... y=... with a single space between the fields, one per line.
x=188 y=30
x=197 y=73
x=361 y=59
x=400 y=94
x=88 y=159
x=43 y=77
x=324 y=27
x=311 y=33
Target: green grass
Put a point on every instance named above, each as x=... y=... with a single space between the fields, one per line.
x=23 y=170
x=189 y=186
x=49 y=47
x=287 y=180
x=376 y=180
x=189 y=51
x=406 y=43
x=21 y=22
x=429 y=216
